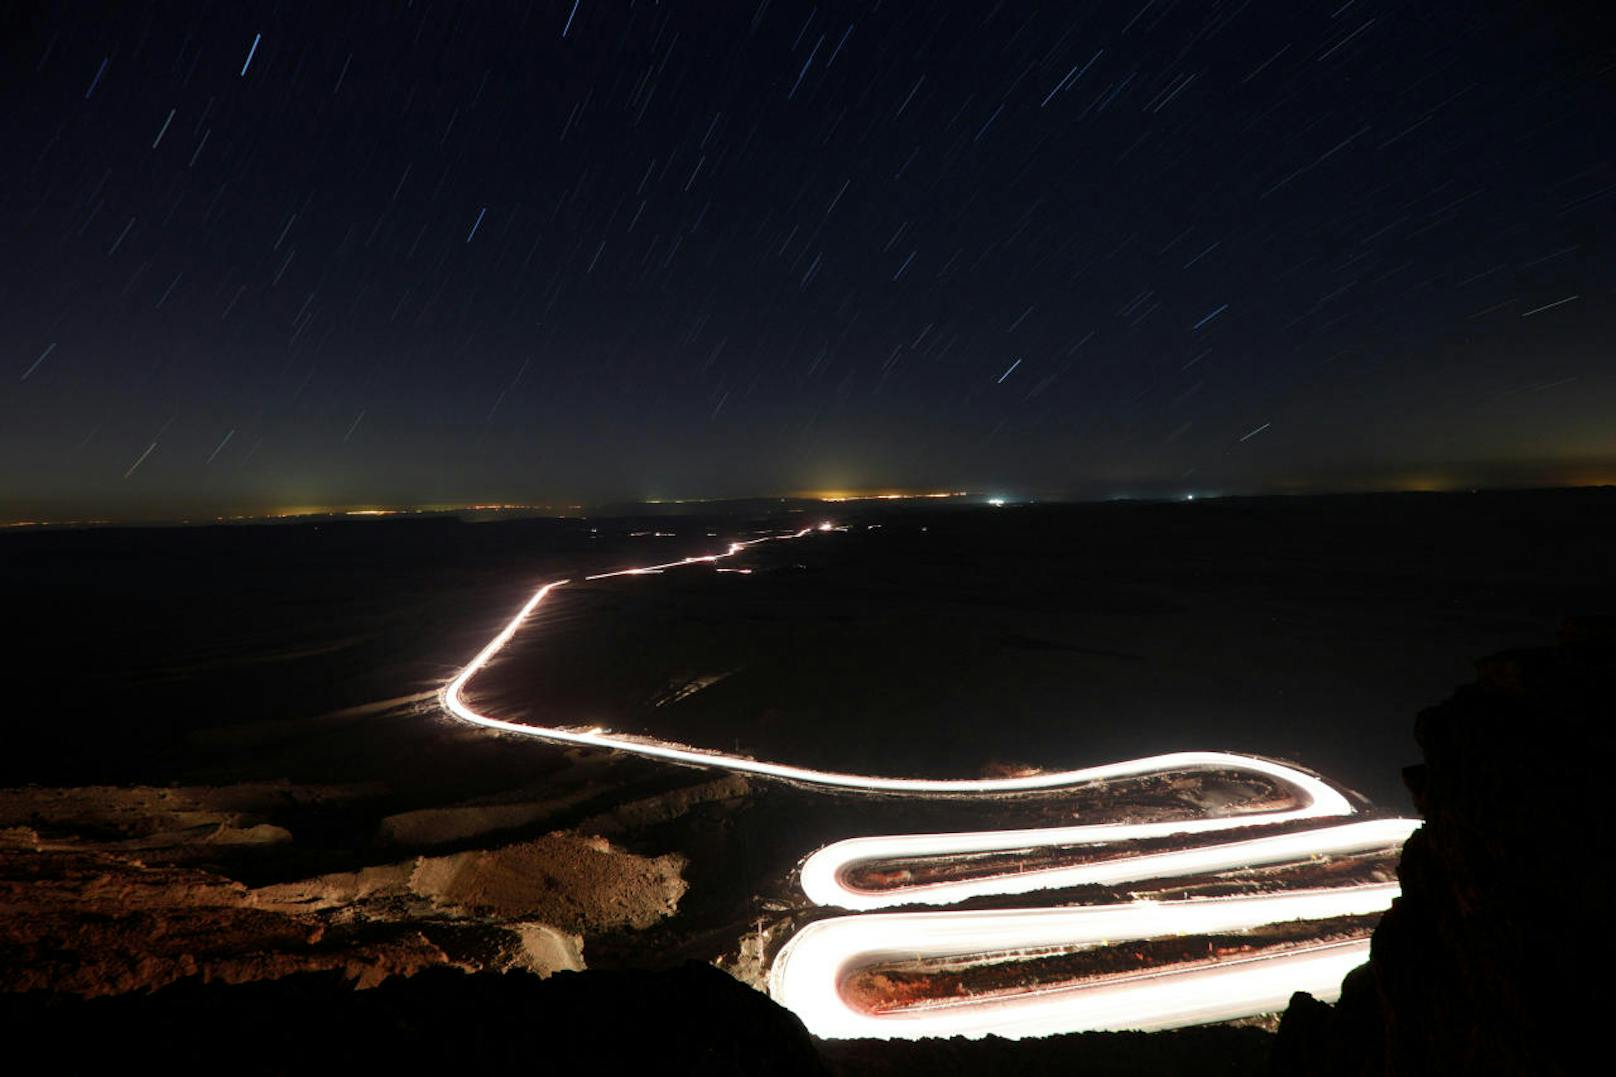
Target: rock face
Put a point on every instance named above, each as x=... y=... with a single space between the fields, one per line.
x=106 y=890
x=180 y=822
x=90 y=922
x=581 y=884
x=1482 y=965
x=578 y=884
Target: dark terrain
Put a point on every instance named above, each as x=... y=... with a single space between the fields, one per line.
x=1059 y=635
x=941 y=643
x=229 y=778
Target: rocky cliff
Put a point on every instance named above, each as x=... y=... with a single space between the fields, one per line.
x=1492 y=959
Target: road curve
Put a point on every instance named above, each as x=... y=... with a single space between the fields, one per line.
x=807 y=974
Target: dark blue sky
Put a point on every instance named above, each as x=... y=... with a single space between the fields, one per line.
x=269 y=255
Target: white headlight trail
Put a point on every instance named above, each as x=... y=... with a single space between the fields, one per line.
x=807 y=975
x=824 y=882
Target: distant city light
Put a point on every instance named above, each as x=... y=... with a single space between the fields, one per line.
x=995 y=501
x=836 y=496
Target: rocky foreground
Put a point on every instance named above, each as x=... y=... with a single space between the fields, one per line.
x=688 y=1019
x=271 y=926
x=1496 y=957
x=184 y=924
x=109 y=890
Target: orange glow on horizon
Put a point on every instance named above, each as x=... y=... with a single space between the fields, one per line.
x=836 y=496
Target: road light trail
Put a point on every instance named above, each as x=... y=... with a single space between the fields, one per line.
x=807 y=974
x=1323 y=799
x=824 y=873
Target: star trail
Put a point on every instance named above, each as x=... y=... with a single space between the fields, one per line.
x=264 y=255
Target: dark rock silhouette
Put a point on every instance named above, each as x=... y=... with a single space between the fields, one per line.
x=688 y=1019
x=1483 y=964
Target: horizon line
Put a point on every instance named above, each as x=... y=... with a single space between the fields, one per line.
x=609 y=509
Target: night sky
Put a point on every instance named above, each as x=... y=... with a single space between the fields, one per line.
x=261 y=256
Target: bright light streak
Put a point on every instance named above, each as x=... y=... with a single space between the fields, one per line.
x=250 y=54
x=807 y=974
x=823 y=872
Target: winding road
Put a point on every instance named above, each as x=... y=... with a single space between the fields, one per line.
x=809 y=974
